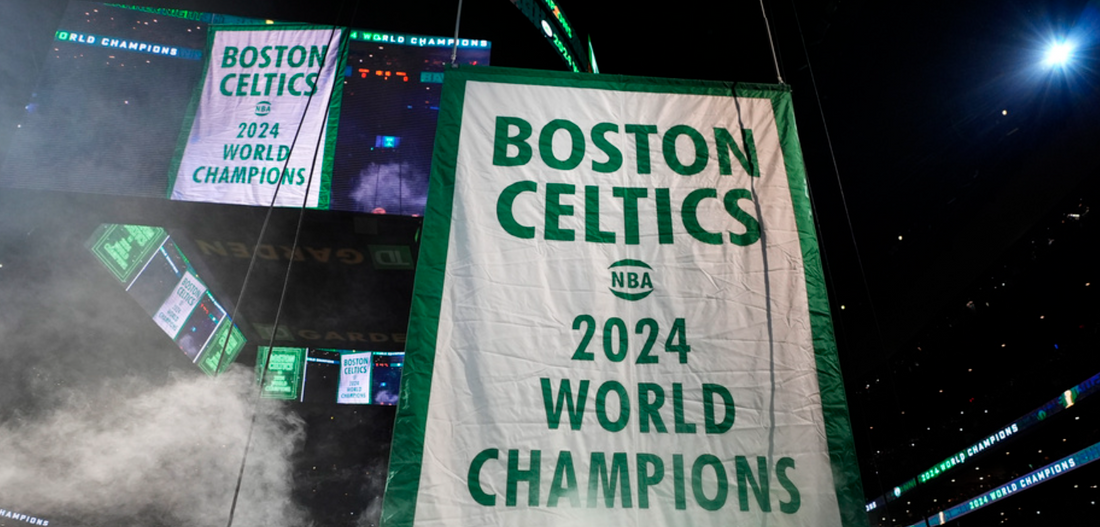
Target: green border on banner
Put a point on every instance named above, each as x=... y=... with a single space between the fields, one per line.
x=834 y=403
x=403 y=480
x=325 y=192
x=406 y=459
x=332 y=123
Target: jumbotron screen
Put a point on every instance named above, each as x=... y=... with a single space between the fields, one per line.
x=117 y=97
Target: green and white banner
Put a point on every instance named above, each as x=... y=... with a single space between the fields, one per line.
x=265 y=118
x=619 y=315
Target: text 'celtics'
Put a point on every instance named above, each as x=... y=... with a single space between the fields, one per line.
x=512 y=148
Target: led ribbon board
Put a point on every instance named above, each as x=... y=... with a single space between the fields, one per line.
x=619 y=315
x=551 y=22
x=1027 y=481
x=1067 y=399
x=266 y=97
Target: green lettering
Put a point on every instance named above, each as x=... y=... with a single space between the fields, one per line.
x=723 y=142
x=630 y=197
x=555 y=210
x=710 y=504
x=221 y=86
x=712 y=427
x=318 y=55
x=641 y=144
x=678 y=410
x=647 y=479
x=546 y=145
x=614 y=155
x=648 y=410
x=290 y=83
x=601 y=406
x=689 y=212
x=592 y=232
x=565 y=482
x=248 y=56
x=505 y=202
x=668 y=148
x=787 y=507
x=745 y=479
x=752 y=227
x=515 y=475
x=301 y=50
x=242 y=84
x=229 y=57
x=265 y=58
x=564 y=401
x=664 y=217
x=599 y=477
x=501 y=142
x=473 y=477
x=679 y=492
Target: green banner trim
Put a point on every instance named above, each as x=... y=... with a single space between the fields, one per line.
x=189 y=117
x=324 y=196
x=834 y=404
x=402 y=485
x=403 y=480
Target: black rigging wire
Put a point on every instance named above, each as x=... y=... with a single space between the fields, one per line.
x=847 y=216
x=290 y=261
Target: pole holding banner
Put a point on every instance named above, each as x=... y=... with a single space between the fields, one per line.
x=619 y=315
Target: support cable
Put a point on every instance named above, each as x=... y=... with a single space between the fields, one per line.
x=851 y=228
x=771 y=42
x=458 y=20
x=290 y=263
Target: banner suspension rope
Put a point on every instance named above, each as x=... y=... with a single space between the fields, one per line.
x=771 y=42
x=851 y=231
x=458 y=21
x=286 y=276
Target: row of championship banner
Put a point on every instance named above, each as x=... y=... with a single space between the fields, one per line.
x=619 y=315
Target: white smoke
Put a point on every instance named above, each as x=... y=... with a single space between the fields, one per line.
x=390 y=188
x=145 y=454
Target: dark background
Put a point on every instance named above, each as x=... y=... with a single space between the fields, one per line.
x=952 y=175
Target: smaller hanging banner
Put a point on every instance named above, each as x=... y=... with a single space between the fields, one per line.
x=265 y=118
x=355 y=371
x=179 y=305
x=282 y=377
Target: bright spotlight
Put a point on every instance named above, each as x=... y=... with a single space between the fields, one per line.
x=1059 y=54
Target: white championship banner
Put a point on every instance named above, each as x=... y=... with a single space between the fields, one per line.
x=619 y=316
x=243 y=139
x=355 y=371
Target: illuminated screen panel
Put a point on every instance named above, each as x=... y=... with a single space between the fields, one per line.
x=124 y=249
x=1022 y=483
x=224 y=346
x=107 y=109
x=160 y=278
x=386 y=379
x=548 y=17
x=387 y=119
x=198 y=330
x=282 y=377
x=161 y=273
